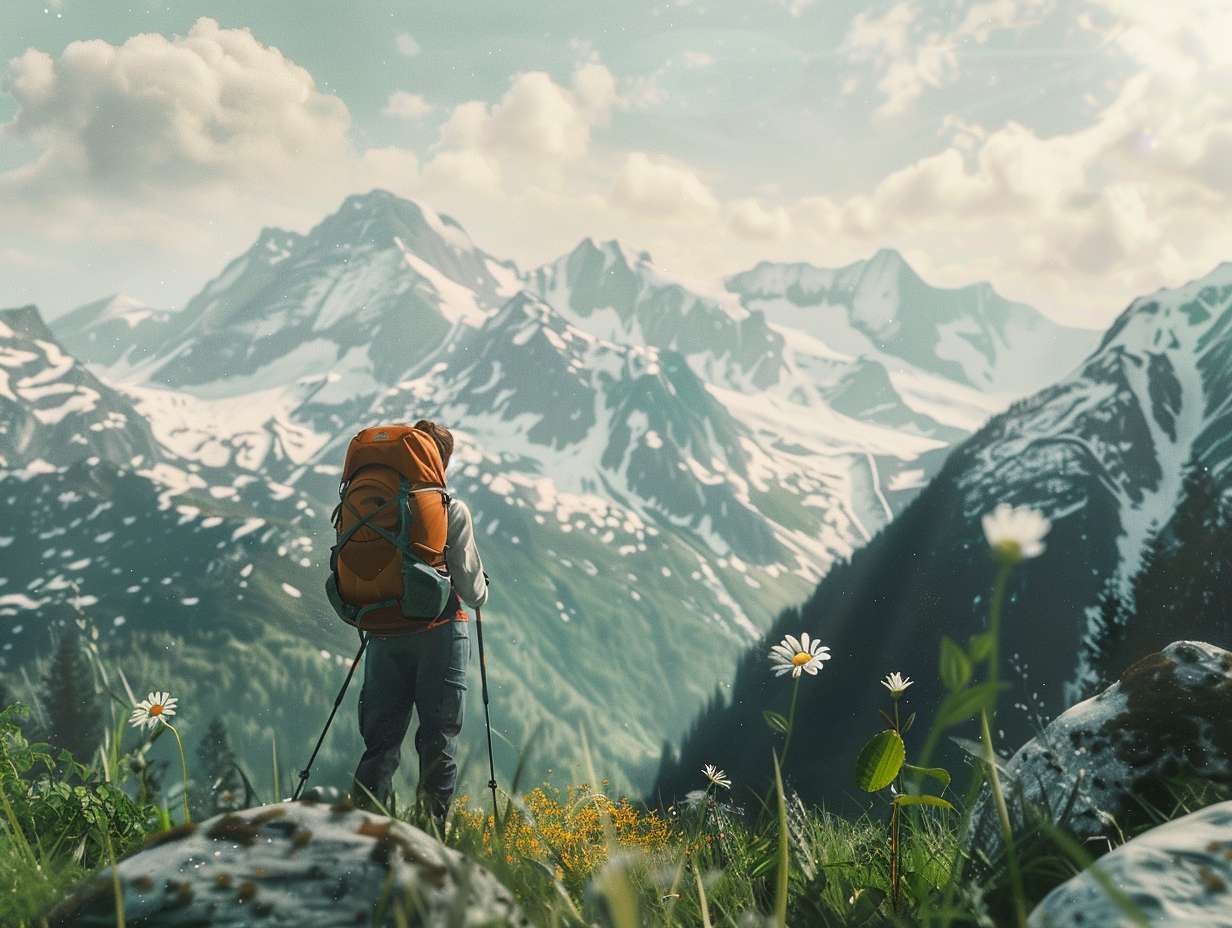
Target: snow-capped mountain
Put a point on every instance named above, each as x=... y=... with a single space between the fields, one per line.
x=1108 y=454
x=602 y=290
x=364 y=295
x=1154 y=400
x=650 y=466
x=53 y=411
x=882 y=308
x=114 y=330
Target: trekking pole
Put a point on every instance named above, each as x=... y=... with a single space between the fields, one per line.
x=487 y=719
x=303 y=774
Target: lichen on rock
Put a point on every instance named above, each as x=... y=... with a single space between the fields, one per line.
x=303 y=864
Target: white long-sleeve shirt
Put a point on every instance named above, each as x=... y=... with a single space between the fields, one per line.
x=462 y=557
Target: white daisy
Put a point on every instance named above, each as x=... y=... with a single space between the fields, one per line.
x=155 y=708
x=795 y=655
x=896 y=683
x=1015 y=533
x=716 y=776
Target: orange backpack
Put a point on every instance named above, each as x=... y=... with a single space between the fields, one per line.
x=388 y=565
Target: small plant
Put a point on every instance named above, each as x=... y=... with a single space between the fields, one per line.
x=793 y=656
x=153 y=711
x=881 y=764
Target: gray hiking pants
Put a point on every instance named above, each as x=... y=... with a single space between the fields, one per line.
x=426 y=672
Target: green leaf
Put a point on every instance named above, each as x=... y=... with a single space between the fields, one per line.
x=923 y=800
x=868 y=901
x=880 y=760
x=907 y=724
x=979 y=646
x=960 y=706
x=937 y=773
x=955 y=665
x=776 y=721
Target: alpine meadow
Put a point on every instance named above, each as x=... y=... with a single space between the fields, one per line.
x=388 y=538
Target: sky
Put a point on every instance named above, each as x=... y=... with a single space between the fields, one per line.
x=1075 y=153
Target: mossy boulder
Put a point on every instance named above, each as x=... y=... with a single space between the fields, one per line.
x=303 y=864
x=1100 y=765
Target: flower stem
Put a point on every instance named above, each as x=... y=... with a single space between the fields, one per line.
x=183 y=766
x=994 y=628
x=1007 y=830
x=894 y=824
x=791 y=722
x=990 y=754
x=894 y=858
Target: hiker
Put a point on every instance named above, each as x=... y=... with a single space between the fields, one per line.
x=413 y=663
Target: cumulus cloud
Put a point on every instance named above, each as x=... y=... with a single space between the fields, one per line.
x=214 y=106
x=1084 y=218
x=655 y=187
x=750 y=219
x=403 y=104
x=537 y=126
x=536 y=117
x=406 y=45
x=188 y=143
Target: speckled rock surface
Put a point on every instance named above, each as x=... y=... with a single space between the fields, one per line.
x=306 y=864
x=1170 y=715
x=1177 y=874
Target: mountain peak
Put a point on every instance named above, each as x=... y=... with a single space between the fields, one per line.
x=24 y=321
x=377 y=217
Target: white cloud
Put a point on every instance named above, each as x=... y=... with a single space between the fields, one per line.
x=185 y=145
x=214 y=106
x=750 y=219
x=536 y=117
x=466 y=169
x=406 y=45
x=794 y=7
x=537 y=129
x=908 y=64
x=1085 y=219
x=912 y=51
x=405 y=105
x=661 y=189
x=988 y=16
x=694 y=60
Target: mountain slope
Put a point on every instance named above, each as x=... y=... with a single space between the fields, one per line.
x=970 y=334
x=369 y=290
x=53 y=411
x=1104 y=454
x=115 y=330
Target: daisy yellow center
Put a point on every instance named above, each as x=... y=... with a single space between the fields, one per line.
x=803 y=657
x=156 y=710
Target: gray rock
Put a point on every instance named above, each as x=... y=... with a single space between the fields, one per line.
x=303 y=864
x=1169 y=716
x=1177 y=874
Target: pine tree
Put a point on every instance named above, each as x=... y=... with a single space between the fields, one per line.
x=1184 y=583
x=1108 y=643
x=74 y=715
x=217 y=759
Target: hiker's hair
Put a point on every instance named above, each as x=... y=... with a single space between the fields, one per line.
x=442 y=436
